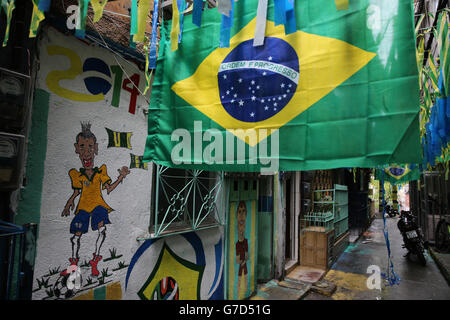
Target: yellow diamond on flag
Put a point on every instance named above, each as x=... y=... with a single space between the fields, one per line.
x=321 y=64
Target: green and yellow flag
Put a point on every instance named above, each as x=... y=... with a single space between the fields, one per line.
x=398 y=174
x=118 y=139
x=341 y=91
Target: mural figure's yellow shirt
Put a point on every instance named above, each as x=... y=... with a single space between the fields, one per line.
x=91 y=189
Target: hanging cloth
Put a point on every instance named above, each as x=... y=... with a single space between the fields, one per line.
x=181 y=9
x=197 y=13
x=44 y=5
x=147 y=74
x=98 y=6
x=80 y=30
x=390 y=274
x=224 y=7
x=290 y=25
x=174 y=32
x=154 y=37
x=133 y=20
x=225 y=28
x=279 y=12
x=143 y=9
x=36 y=17
x=8 y=7
x=260 y=29
x=341 y=4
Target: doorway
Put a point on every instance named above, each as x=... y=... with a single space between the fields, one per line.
x=291 y=205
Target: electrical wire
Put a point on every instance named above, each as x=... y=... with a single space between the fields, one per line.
x=120 y=66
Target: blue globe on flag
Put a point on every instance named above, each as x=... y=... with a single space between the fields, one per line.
x=255 y=83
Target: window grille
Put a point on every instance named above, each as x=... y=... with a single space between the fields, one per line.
x=186 y=200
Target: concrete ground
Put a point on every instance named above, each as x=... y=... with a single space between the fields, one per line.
x=350 y=272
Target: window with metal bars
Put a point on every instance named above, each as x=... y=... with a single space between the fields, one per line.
x=186 y=200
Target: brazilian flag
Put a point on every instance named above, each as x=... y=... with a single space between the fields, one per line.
x=340 y=90
x=398 y=174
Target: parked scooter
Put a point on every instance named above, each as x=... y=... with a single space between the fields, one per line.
x=413 y=239
x=391 y=211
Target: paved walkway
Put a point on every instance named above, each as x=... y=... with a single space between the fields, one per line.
x=350 y=272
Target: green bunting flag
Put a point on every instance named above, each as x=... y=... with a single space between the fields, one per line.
x=444 y=46
x=119 y=139
x=330 y=94
x=8 y=7
x=36 y=17
x=398 y=174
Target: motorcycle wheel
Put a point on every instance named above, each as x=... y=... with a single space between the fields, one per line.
x=422 y=259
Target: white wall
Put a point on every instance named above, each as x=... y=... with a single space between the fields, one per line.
x=62 y=71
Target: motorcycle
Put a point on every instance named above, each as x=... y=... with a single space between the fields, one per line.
x=413 y=239
x=391 y=211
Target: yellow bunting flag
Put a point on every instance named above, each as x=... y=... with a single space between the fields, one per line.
x=175 y=27
x=341 y=4
x=36 y=18
x=98 y=6
x=8 y=7
x=143 y=9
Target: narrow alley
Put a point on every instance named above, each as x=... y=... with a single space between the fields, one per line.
x=350 y=273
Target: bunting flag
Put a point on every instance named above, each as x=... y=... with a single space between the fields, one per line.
x=197 y=13
x=119 y=139
x=147 y=74
x=98 y=6
x=419 y=56
x=80 y=30
x=290 y=25
x=36 y=17
x=225 y=28
x=133 y=19
x=181 y=8
x=224 y=7
x=443 y=46
x=175 y=31
x=260 y=30
x=341 y=4
x=390 y=275
x=433 y=74
x=44 y=5
x=143 y=9
x=136 y=162
x=319 y=98
x=154 y=37
x=398 y=174
x=8 y=7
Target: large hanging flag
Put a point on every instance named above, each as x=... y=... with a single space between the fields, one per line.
x=398 y=174
x=340 y=91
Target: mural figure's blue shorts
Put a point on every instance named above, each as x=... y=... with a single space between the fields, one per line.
x=80 y=222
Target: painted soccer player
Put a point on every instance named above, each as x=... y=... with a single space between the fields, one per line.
x=241 y=246
x=88 y=183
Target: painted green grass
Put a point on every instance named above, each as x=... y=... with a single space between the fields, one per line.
x=113 y=255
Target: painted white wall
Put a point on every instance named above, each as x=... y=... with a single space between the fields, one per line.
x=130 y=200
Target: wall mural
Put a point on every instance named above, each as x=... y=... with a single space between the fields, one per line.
x=91 y=217
x=175 y=278
x=241 y=249
x=91 y=211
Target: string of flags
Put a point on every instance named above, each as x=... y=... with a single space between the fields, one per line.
x=434 y=83
x=283 y=9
